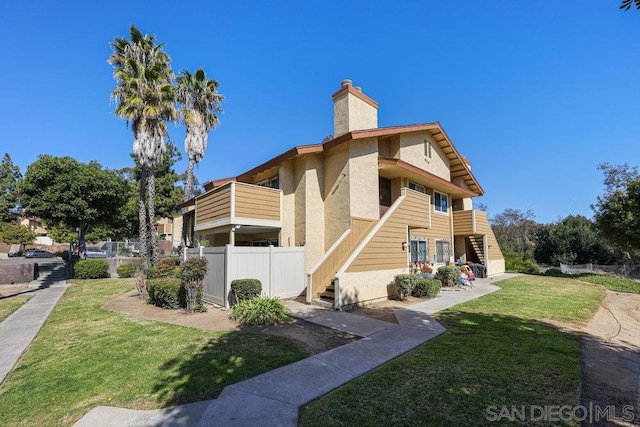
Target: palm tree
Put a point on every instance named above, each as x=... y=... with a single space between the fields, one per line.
x=200 y=101
x=145 y=98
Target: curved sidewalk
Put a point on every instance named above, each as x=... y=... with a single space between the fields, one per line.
x=21 y=327
x=275 y=397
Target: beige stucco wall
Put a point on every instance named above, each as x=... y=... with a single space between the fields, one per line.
x=336 y=193
x=363 y=179
x=309 y=206
x=363 y=286
x=412 y=151
x=288 y=187
x=495 y=267
x=352 y=113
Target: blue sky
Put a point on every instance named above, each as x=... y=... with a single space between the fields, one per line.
x=535 y=94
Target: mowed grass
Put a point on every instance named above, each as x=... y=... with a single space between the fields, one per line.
x=86 y=356
x=613 y=283
x=495 y=352
x=10 y=304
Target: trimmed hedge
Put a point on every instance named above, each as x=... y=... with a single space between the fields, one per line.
x=259 y=311
x=165 y=292
x=91 y=269
x=167 y=267
x=404 y=284
x=426 y=288
x=126 y=270
x=170 y=293
x=449 y=275
x=245 y=289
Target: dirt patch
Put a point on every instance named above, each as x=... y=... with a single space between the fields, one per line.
x=13 y=289
x=312 y=338
x=610 y=359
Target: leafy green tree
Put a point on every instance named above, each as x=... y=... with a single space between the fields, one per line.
x=61 y=190
x=12 y=233
x=572 y=240
x=145 y=97
x=514 y=229
x=9 y=176
x=617 y=211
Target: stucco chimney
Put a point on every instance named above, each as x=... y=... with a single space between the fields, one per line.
x=353 y=110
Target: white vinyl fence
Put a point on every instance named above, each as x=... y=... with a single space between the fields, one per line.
x=280 y=270
x=623 y=270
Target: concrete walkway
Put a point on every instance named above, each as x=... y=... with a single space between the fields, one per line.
x=275 y=397
x=20 y=328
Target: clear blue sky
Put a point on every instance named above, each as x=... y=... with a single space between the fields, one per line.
x=536 y=94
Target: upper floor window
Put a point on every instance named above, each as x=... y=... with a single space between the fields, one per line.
x=273 y=182
x=417 y=187
x=441 y=202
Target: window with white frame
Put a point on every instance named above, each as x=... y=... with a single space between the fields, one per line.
x=441 y=202
x=443 y=253
x=417 y=187
x=419 y=250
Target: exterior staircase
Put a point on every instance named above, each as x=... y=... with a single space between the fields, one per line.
x=478 y=247
x=50 y=272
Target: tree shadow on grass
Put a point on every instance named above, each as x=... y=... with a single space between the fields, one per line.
x=228 y=358
x=483 y=361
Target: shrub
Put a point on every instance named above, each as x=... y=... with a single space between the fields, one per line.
x=449 y=275
x=259 y=311
x=246 y=288
x=164 y=292
x=519 y=263
x=192 y=273
x=404 y=283
x=556 y=272
x=167 y=267
x=426 y=288
x=91 y=269
x=126 y=270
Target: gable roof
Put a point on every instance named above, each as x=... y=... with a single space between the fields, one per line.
x=458 y=164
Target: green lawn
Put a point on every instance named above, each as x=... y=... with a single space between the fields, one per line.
x=495 y=352
x=85 y=356
x=618 y=284
x=10 y=304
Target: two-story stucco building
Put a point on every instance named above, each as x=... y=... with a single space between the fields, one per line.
x=364 y=204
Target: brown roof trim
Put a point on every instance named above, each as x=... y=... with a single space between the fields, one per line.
x=210 y=185
x=464 y=164
x=294 y=152
x=409 y=167
x=357 y=93
x=386 y=131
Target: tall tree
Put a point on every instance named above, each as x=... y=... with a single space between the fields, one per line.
x=572 y=240
x=61 y=190
x=145 y=98
x=626 y=4
x=200 y=101
x=514 y=230
x=9 y=176
x=617 y=212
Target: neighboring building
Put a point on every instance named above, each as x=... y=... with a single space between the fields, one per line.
x=364 y=204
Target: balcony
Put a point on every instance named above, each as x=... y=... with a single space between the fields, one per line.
x=239 y=203
x=470 y=223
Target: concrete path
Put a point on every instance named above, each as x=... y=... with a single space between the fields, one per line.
x=20 y=328
x=275 y=397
